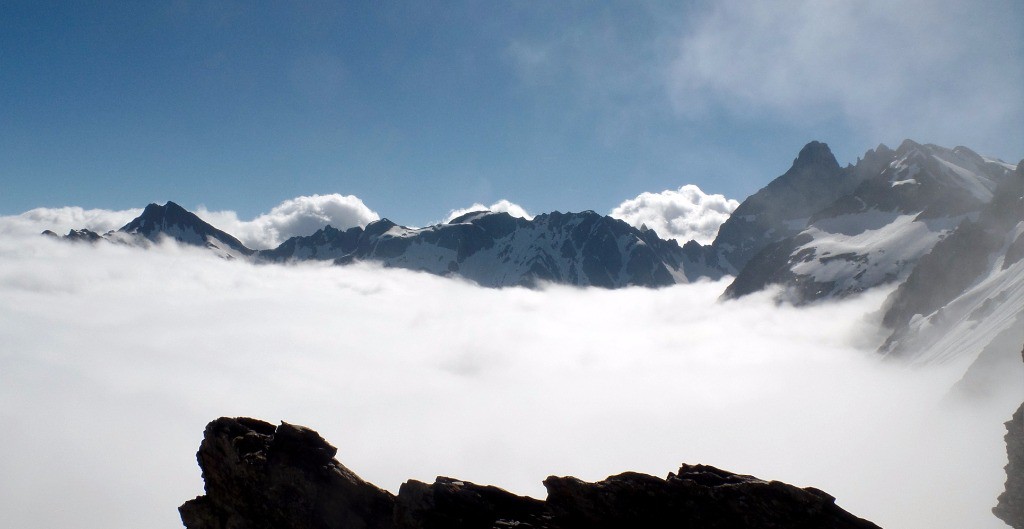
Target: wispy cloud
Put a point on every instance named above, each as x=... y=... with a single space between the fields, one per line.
x=946 y=71
x=943 y=71
x=114 y=358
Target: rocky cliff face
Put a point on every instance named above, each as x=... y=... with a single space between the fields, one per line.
x=1010 y=508
x=261 y=476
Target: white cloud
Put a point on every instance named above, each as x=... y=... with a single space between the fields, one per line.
x=61 y=220
x=684 y=214
x=104 y=393
x=943 y=71
x=297 y=216
x=502 y=205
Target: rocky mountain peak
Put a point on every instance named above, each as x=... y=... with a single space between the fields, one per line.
x=155 y=215
x=815 y=154
x=907 y=146
x=175 y=222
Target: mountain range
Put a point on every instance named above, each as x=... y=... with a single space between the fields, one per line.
x=945 y=225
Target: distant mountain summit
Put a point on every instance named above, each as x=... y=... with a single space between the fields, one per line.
x=781 y=208
x=175 y=222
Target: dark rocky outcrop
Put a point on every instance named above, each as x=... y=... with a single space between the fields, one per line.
x=1010 y=508
x=82 y=235
x=260 y=476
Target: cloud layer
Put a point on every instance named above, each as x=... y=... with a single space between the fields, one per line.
x=684 y=214
x=114 y=359
x=502 y=205
x=944 y=71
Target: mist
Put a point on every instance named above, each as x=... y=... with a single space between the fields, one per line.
x=113 y=359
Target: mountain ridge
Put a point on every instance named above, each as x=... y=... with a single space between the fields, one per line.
x=819 y=231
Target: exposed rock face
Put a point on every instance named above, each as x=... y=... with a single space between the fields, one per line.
x=1010 y=508
x=258 y=476
x=261 y=476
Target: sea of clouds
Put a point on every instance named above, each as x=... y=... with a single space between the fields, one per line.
x=113 y=359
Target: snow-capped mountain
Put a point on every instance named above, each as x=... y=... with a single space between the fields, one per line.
x=899 y=204
x=497 y=249
x=965 y=299
x=492 y=249
x=820 y=230
x=947 y=225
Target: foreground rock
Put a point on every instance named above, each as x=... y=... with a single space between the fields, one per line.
x=1010 y=508
x=260 y=476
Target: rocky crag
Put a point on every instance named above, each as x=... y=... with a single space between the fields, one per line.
x=261 y=476
x=1010 y=508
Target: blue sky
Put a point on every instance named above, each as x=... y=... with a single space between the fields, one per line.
x=418 y=108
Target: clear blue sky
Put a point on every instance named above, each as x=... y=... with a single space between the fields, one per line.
x=422 y=107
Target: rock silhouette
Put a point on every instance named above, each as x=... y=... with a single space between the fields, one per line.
x=261 y=476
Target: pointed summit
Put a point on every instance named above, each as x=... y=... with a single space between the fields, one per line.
x=815 y=154
x=156 y=215
x=175 y=222
x=781 y=208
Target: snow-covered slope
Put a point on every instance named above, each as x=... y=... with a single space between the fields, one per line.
x=965 y=299
x=905 y=202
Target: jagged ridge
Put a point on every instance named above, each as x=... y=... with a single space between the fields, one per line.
x=261 y=477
